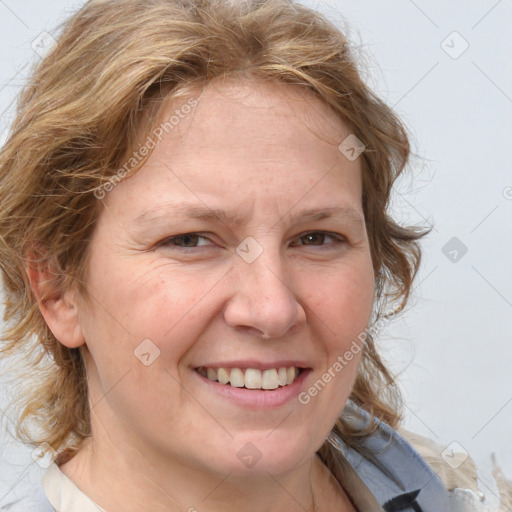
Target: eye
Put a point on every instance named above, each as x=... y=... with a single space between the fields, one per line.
x=316 y=238
x=193 y=240
x=185 y=241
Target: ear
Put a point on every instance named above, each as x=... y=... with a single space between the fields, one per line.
x=58 y=307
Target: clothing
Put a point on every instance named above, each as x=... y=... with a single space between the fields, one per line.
x=386 y=474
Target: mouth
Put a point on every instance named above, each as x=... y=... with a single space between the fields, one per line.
x=252 y=378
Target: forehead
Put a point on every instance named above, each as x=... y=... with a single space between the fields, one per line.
x=245 y=104
x=246 y=125
x=260 y=140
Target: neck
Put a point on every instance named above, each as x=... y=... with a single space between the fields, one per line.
x=132 y=482
x=142 y=478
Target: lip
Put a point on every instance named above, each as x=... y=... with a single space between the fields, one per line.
x=257 y=365
x=256 y=398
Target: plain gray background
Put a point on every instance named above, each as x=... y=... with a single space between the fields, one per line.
x=445 y=67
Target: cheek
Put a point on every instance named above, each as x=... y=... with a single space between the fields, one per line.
x=343 y=305
x=140 y=310
x=343 y=302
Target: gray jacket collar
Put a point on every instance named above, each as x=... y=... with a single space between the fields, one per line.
x=392 y=470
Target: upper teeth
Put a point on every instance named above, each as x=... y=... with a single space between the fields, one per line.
x=251 y=378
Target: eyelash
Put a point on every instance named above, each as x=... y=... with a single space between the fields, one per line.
x=168 y=241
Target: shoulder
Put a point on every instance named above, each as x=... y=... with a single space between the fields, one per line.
x=455 y=469
x=399 y=467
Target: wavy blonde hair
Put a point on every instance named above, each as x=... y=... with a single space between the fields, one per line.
x=86 y=104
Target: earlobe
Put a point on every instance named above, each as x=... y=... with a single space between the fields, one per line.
x=59 y=308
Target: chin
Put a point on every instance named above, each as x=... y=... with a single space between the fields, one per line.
x=257 y=454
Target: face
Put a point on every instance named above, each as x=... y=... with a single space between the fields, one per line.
x=238 y=251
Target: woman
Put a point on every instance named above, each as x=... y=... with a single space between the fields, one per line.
x=198 y=241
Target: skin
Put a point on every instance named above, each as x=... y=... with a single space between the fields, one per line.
x=264 y=151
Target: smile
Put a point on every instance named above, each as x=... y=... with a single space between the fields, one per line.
x=251 y=378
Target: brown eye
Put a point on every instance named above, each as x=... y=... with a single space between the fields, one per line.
x=187 y=241
x=318 y=238
x=314 y=238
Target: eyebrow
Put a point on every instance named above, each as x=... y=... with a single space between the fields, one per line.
x=180 y=211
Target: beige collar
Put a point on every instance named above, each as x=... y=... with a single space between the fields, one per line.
x=64 y=495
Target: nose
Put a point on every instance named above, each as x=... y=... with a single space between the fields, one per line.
x=263 y=302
